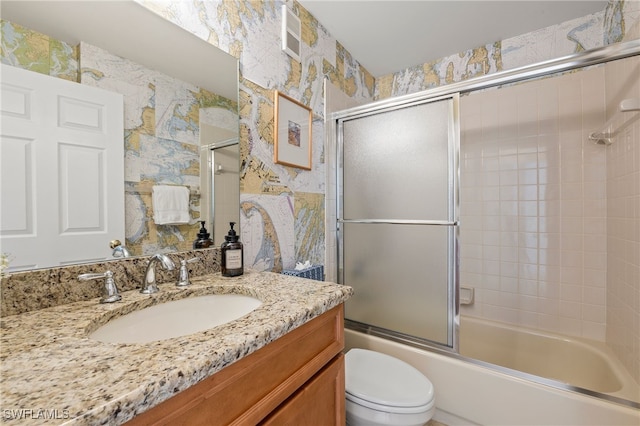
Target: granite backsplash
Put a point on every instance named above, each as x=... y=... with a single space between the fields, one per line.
x=43 y=288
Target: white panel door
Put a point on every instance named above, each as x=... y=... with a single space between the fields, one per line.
x=62 y=170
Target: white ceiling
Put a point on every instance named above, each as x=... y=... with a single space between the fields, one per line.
x=386 y=36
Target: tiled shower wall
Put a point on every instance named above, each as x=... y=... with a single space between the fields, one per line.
x=623 y=217
x=533 y=204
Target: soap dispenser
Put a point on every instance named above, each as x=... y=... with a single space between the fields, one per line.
x=203 y=240
x=231 y=253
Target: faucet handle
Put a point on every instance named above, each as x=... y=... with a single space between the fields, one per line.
x=110 y=289
x=183 y=276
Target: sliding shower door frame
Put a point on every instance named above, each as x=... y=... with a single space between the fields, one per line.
x=543 y=69
x=451 y=223
x=539 y=70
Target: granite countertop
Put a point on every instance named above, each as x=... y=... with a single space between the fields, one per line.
x=52 y=373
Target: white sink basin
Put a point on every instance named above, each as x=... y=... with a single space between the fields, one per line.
x=176 y=318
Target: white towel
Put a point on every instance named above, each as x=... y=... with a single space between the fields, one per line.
x=170 y=204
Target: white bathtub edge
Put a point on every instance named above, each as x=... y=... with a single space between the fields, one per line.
x=451 y=419
x=484 y=396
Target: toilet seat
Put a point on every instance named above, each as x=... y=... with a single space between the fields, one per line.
x=384 y=383
x=390 y=408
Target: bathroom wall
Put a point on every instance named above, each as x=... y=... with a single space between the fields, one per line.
x=161 y=126
x=617 y=22
x=622 y=81
x=533 y=204
x=24 y=48
x=620 y=20
x=282 y=208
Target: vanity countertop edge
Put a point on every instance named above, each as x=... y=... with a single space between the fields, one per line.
x=51 y=372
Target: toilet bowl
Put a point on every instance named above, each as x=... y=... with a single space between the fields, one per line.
x=383 y=390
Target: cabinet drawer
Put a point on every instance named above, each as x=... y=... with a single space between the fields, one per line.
x=246 y=391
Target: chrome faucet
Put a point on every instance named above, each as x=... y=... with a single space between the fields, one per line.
x=183 y=274
x=118 y=249
x=110 y=289
x=149 y=286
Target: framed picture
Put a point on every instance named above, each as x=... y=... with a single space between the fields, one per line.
x=292 y=132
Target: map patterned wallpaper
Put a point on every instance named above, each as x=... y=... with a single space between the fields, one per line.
x=21 y=47
x=162 y=142
x=161 y=126
x=282 y=208
x=618 y=22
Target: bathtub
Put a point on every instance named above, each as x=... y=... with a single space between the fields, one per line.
x=472 y=393
x=576 y=362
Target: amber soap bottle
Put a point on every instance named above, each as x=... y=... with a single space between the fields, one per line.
x=203 y=240
x=232 y=263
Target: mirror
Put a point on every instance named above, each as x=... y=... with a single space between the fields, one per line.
x=220 y=157
x=180 y=105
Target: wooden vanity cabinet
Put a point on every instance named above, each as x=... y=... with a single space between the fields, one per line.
x=319 y=402
x=297 y=379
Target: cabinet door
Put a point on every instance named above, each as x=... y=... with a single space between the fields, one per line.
x=319 y=402
x=250 y=389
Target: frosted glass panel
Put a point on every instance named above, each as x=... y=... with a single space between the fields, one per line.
x=400 y=277
x=397 y=162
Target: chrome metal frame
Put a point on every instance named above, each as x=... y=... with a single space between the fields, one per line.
x=212 y=172
x=452 y=221
x=543 y=69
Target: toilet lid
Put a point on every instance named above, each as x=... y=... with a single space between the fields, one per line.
x=379 y=379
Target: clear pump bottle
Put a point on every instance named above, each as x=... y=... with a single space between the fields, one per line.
x=232 y=262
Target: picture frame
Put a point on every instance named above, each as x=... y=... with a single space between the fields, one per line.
x=292 y=138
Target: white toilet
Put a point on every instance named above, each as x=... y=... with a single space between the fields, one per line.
x=383 y=390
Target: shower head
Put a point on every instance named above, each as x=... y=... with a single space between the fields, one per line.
x=613 y=128
x=602 y=141
x=601 y=138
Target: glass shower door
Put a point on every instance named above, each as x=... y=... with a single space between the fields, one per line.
x=397 y=219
